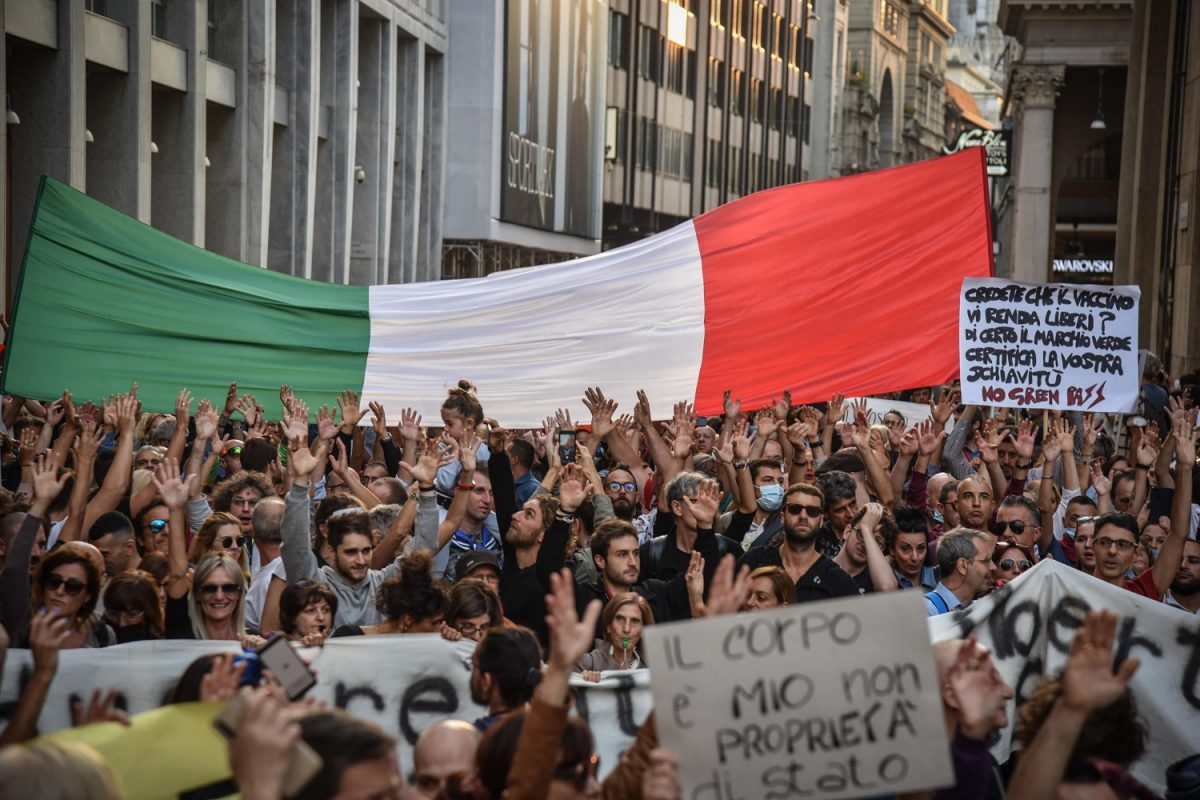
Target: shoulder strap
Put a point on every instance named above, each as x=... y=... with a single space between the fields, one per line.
x=938 y=601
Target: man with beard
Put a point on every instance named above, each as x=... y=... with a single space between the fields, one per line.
x=620 y=486
x=618 y=560
x=1018 y=520
x=668 y=556
x=840 y=495
x=965 y=566
x=505 y=669
x=1184 y=593
x=817 y=577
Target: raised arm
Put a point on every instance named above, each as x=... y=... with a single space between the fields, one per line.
x=174 y=491
x=875 y=474
x=341 y=466
x=882 y=576
x=183 y=404
x=1171 y=553
x=298 y=559
x=123 y=415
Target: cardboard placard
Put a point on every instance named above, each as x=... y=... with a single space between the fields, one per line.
x=820 y=700
x=1049 y=345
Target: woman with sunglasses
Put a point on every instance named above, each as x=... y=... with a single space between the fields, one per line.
x=67 y=583
x=473 y=607
x=1010 y=560
x=221 y=533
x=131 y=607
x=209 y=603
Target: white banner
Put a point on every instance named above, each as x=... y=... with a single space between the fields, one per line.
x=401 y=683
x=1029 y=626
x=814 y=700
x=404 y=683
x=914 y=413
x=1052 y=345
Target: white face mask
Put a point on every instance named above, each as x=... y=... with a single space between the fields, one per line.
x=770 y=497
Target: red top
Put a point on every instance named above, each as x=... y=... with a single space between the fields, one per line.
x=1144 y=585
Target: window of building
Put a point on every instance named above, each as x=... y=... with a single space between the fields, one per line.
x=756 y=100
x=716 y=83
x=733 y=171
x=618 y=25
x=776 y=108
x=689 y=80
x=777 y=36
x=737 y=91
x=793 y=116
x=807 y=122
x=158 y=18
x=758 y=23
x=889 y=17
x=621 y=139
x=675 y=68
x=685 y=171
x=714 y=13
x=713 y=162
x=645 y=52
x=737 y=18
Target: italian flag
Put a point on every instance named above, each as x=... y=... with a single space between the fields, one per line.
x=848 y=285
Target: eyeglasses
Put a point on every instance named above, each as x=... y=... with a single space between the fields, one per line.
x=580 y=772
x=470 y=629
x=227 y=541
x=156 y=525
x=616 y=486
x=209 y=589
x=796 y=509
x=236 y=450
x=1016 y=526
x=72 y=586
x=1008 y=563
x=1104 y=543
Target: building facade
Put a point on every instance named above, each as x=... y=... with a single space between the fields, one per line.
x=707 y=101
x=1104 y=98
x=302 y=135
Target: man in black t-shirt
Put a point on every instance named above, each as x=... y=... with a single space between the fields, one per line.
x=817 y=577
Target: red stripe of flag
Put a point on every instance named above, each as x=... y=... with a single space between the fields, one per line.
x=847 y=285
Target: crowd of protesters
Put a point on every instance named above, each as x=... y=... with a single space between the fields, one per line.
x=553 y=553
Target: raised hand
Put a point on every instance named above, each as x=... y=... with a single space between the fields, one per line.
x=988 y=450
x=1148 y=447
x=1092 y=423
x=1088 y=679
x=173 y=489
x=1102 y=484
x=941 y=410
x=836 y=409
x=351 y=412
x=68 y=406
x=975 y=686
x=260 y=752
x=705 y=504
x=641 y=411
x=602 y=410
x=410 y=425
x=570 y=637
x=683 y=411
x=910 y=443
x=498 y=436
x=295 y=422
x=572 y=488
x=766 y=423
x=28 y=445
x=287 y=396
x=378 y=419
x=48 y=632
x=1024 y=440
x=338 y=458
x=47 y=483
x=728 y=592
x=468 y=452
x=428 y=463
x=223 y=678
x=733 y=407
x=206 y=421
x=1185 y=441
x=1064 y=431
x=929 y=437
x=327 y=428
x=231 y=399
x=126 y=412
x=301 y=460
x=183 y=405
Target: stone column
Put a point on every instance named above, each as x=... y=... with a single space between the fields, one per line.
x=1035 y=88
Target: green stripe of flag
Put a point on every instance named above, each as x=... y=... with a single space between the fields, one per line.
x=105 y=300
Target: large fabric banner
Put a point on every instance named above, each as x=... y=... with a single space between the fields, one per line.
x=404 y=683
x=863 y=270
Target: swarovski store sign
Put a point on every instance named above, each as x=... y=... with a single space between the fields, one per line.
x=1089 y=266
x=998 y=145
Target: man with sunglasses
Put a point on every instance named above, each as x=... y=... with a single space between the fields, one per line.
x=1017 y=521
x=1117 y=532
x=816 y=575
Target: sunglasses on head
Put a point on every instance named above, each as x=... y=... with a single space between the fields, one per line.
x=616 y=486
x=1008 y=563
x=796 y=509
x=224 y=588
x=1016 y=526
x=72 y=586
x=228 y=541
x=156 y=525
x=236 y=450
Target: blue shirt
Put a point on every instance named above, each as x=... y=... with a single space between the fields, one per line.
x=948 y=598
x=928 y=580
x=525 y=486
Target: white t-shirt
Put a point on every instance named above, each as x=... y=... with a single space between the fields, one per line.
x=256 y=595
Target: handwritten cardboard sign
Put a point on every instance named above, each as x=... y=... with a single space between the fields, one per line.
x=1051 y=345
x=819 y=700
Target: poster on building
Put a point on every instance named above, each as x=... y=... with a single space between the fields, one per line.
x=828 y=700
x=1049 y=345
x=553 y=137
x=997 y=145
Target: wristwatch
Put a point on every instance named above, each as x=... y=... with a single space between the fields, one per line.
x=740 y=464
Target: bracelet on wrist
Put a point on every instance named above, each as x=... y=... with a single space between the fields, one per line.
x=1141 y=466
x=565 y=516
x=740 y=464
x=425 y=488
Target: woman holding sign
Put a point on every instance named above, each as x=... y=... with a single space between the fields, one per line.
x=624 y=618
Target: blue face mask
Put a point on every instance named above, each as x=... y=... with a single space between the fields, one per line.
x=1069 y=533
x=770 y=497
x=937 y=516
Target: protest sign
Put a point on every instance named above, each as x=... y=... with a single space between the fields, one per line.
x=814 y=700
x=1029 y=625
x=1052 y=345
x=403 y=684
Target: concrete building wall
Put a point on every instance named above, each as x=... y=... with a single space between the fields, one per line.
x=270 y=131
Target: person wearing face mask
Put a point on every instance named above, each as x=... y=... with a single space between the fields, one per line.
x=756 y=520
x=131 y=607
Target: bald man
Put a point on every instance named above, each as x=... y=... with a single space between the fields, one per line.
x=445 y=749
